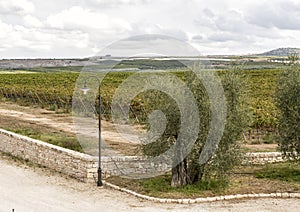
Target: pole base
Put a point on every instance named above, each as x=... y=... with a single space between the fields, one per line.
x=99 y=182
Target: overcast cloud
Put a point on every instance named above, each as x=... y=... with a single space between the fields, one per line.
x=81 y=28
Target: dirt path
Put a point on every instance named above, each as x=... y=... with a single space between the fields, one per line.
x=63 y=122
x=24 y=188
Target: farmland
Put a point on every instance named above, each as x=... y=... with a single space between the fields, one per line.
x=54 y=91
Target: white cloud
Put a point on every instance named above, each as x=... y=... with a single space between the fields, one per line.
x=232 y=21
x=150 y=45
x=33 y=42
x=114 y=3
x=32 y=21
x=19 y=7
x=101 y=28
x=79 y=18
x=230 y=30
x=225 y=36
x=282 y=14
x=141 y=28
x=75 y=27
x=197 y=38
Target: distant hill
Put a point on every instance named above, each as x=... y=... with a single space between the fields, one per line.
x=281 y=52
x=37 y=63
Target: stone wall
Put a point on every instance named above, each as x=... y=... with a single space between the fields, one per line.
x=133 y=167
x=84 y=167
x=141 y=167
x=258 y=158
x=71 y=163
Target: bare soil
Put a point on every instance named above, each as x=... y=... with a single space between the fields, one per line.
x=16 y=116
x=50 y=120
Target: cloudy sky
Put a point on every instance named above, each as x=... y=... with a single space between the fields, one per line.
x=81 y=28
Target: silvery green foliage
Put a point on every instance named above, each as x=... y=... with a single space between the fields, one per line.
x=228 y=152
x=288 y=102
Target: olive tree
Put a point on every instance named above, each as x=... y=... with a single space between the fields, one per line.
x=186 y=169
x=288 y=102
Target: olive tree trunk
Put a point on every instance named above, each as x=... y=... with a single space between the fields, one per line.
x=179 y=174
x=179 y=170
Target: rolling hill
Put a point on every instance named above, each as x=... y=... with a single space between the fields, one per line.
x=281 y=52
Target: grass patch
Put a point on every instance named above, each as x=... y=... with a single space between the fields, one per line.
x=288 y=172
x=161 y=187
x=39 y=132
x=63 y=138
x=272 y=178
x=55 y=138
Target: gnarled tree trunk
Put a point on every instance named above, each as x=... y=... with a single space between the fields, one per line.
x=179 y=174
x=179 y=170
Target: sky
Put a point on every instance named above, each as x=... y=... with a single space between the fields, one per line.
x=82 y=28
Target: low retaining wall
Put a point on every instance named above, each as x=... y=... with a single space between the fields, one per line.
x=133 y=166
x=71 y=163
x=259 y=158
x=141 y=167
x=84 y=167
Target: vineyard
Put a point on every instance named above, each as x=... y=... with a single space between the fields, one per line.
x=54 y=91
x=48 y=90
x=261 y=92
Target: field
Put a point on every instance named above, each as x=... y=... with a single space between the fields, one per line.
x=54 y=91
x=49 y=90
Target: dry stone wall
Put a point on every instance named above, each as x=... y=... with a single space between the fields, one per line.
x=71 y=163
x=259 y=158
x=84 y=167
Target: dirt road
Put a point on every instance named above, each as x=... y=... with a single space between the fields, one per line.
x=41 y=119
x=24 y=188
x=50 y=119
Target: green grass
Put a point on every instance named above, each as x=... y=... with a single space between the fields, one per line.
x=160 y=185
x=289 y=172
x=270 y=138
x=55 y=138
x=270 y=178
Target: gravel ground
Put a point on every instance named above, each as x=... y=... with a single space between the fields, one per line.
x=29 y=188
